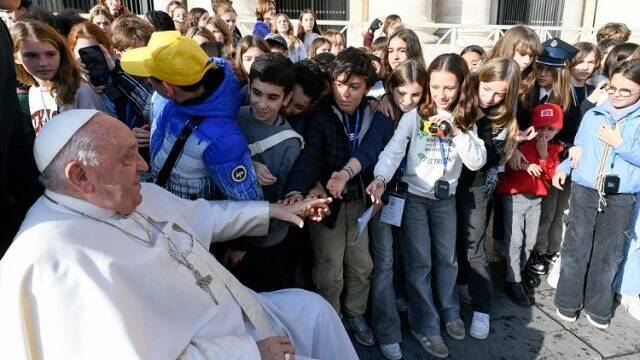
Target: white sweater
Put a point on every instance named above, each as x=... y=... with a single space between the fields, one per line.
x=424 y=158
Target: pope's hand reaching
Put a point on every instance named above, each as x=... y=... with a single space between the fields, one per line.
x=315 y=209
x=276 y=348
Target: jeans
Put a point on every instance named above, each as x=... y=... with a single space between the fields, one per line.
x=429 y=243
x=521 y=220
x=385 y=318
x=551 y=220
x=342 y=269
x=473 y=218
x=592 y=251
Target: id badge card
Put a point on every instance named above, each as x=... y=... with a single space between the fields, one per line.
x=392 y=212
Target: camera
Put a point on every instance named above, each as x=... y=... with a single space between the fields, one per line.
x=436 y=127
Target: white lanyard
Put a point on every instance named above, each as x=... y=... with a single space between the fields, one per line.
x=44 y=105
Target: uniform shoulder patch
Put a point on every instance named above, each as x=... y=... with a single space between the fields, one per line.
x=239 y=173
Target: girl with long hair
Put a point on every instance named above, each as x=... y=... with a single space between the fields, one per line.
x=248 y=49
x=200 y=34
x=297 y=50
x=228 y=14
x=44 y=62
x=336 y=39
x=489 y=100
x=101 y=16
x=407 y=88
x=439 y=144
x=319 y=45
x=116 y=7
x=403 y=45
x=179 y=16
x=308 y=29
x=197 y=17
x=265 y=14
x=221 y=34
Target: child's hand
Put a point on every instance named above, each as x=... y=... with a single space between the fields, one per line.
x=541 y=146
x=265 y=178
x=534 y=170
x=337 y=182
x=575 y=153
x=558 y=180
x=526 y=134
x=375 y=190
x=518 y=161
x=610 y=136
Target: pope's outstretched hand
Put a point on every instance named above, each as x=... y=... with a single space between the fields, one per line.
x=315 y=209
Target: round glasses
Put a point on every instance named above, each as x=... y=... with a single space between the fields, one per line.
x=611 y=90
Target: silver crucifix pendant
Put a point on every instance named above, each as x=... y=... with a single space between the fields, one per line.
x=203 y=283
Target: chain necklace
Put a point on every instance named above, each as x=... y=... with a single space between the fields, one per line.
x=201 y=281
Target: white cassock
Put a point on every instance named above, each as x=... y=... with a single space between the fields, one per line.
x=97 y=286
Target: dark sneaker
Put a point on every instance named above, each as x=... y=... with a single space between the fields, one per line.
x=434 y=345
x=551 y=258
x=361 y=331
x=518 y=295
x=455 y=329
x=530 y=281
x=537 y=264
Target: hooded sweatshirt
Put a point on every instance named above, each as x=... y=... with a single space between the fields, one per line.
x=215 y=161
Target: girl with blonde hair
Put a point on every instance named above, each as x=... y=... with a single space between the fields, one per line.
x=297 y=50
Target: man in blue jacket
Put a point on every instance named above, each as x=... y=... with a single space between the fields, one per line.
x=198 y=94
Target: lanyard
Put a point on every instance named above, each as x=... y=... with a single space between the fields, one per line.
x=445 y=156
x=352 y=135
x=44 y=105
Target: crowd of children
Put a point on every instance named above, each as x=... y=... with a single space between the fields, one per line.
x=541 y=137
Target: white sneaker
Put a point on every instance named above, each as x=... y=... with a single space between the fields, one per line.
x=554 y=273
x=479 y=326
x=463 y=293
x=632 y=304
x=598 y=324
x=566 y=318
x=391 y=351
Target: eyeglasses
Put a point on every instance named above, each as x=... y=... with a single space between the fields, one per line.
x=611 y=90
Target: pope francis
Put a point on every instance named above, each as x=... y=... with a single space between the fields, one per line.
x=105 y=267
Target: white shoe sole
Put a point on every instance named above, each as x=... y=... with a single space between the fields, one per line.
x=391 y=356
x=597 y=325
x=479 y=336
x=566 y=318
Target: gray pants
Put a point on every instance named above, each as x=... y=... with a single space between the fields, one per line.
x=521 y=220
x=550 y=231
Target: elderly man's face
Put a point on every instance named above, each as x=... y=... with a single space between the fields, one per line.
x=115 y=181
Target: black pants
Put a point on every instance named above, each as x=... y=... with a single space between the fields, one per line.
x=592 y=251
x=473 y=218
x=264 y=269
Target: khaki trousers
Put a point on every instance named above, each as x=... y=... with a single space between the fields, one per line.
x=338 y=265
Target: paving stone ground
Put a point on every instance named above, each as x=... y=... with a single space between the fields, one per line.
x=534 y=333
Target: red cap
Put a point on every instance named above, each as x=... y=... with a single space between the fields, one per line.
x=547 y=114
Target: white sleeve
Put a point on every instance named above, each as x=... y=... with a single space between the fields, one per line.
x=471 y=149
x=396 y=149
x=240 y=347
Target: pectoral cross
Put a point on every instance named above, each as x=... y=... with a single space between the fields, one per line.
x=203 y=282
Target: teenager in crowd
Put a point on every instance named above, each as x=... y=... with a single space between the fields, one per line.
x=128 y=33
x=221 y=34
x=101 y=16
x=601 y=206
x=439 y=144
x=265 y=12
x=336 y=39
x=171 y=5
x=122 y=96
x=116 y=7
x=474 y=56
x=403 y=45
x=229 y=16
x=392 y=23
x=44 y=62
x=489 y=100
x=406 y=87
x=613 y=30
x=319 y=45
x=522 y=193
x=271 y=81
x=197 y=17
x=308 y=28
x=160 y=20
x=248 y=49
x=297 y=50
x=343 y=139
x=179 y=17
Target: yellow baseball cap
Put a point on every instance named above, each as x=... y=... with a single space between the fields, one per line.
x=168 y=57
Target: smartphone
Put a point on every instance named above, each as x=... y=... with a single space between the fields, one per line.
x=93 y=59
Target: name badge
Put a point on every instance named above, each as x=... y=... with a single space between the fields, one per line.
x=392 y=212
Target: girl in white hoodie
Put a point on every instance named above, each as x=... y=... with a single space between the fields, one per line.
x=434 y=162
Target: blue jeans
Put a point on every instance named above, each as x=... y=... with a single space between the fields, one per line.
x=385 y=318
x=592 y=251
x=521 y=220
x=429 y=243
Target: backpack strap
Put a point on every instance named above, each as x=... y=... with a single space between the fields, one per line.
x=190 y=126
x=263 y=145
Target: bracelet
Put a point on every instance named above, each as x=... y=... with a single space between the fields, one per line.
x=384 y=182
x=349 y=171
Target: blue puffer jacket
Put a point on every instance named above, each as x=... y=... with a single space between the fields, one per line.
x=623 y=160
x=215 y=161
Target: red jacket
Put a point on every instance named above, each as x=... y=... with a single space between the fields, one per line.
x=520 y=182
